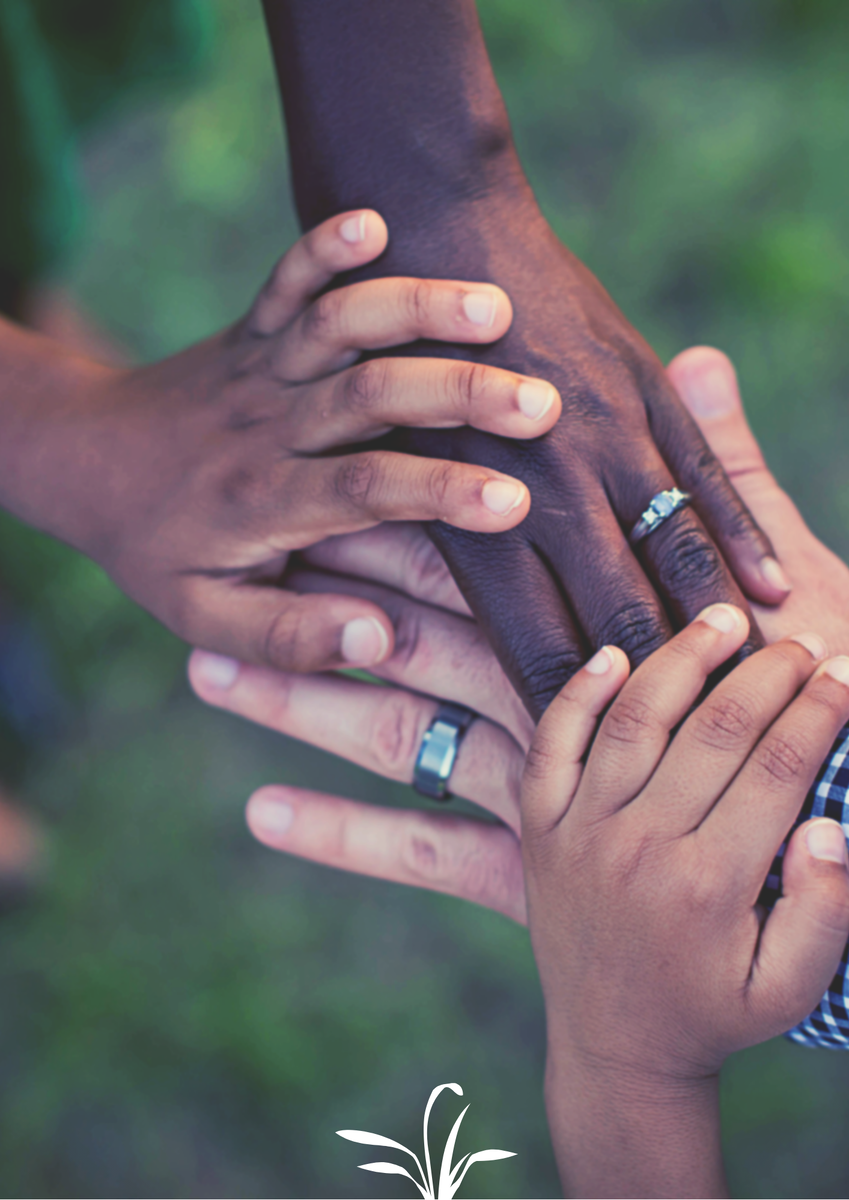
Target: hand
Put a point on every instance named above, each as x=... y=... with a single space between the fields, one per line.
x=429 y=142
x=707 y=383
x=643 y=870
x=438 y=651
x=470 y=859
x=191 y=481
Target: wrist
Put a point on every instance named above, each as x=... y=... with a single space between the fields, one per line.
x=49 y=463
x=622 y=1130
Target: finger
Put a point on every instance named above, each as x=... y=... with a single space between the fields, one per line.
x=398 y=554
x=388 y=312
x=554 y=764
x=267 y=625
x=369 y=399
x=678 y=556
x=635 y=733
x=758 y=809
x=805 y=934
x=743 y=543
x=327 y=496
x=464 y=858
x=377 y=728
x=345 y=241
x=706 y=381
x=717 y=739
x=538 y=646
x=435 y=652
x=608 y=589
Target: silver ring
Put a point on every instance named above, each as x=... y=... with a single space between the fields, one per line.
x=438 y=751
x=660 y=509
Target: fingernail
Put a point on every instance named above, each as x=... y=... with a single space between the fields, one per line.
x=813 y=643
x=534 y=398
x=826 y=841
x=353 y=229
x=711 y=393
x=364 y=641
x=501 y=498
x=600 y=663
x=215 y=671
x=773 y=574
x=838 y=669
x=273 y=817
x=479 y=307
x=722 y=617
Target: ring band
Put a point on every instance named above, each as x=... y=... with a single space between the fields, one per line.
x=438 y=751
x=660 y=509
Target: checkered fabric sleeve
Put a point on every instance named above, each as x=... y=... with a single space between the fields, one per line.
x=828 y=1025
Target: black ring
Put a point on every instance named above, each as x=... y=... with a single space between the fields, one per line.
x=438 y=751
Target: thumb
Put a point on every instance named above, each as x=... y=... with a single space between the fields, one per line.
x=706 y=381
x=804 y=936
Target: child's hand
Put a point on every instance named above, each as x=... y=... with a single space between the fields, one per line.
x=643 y=871
x=193 y=479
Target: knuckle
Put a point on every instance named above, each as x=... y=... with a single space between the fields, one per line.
x=364 y=386
x=439 y=485
x=637 y=628
x=631 y=720
x=323 y=318
x=411 y=650
x=540 y=676
x=689 y=558
x=425 y=570
x=466 y=383
x=780 y=760
x=356 y=480
x=437 y=859
x=284 y=644
x=724 y=722
x=542 y=759
x=240 y=489
x=396 y=735
x=417 y=301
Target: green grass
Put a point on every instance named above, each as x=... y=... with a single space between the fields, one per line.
x=184 y=1013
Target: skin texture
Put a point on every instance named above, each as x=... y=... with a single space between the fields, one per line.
x=395 y=105
x=440 y=652
x=643 y=870
x=192 y=480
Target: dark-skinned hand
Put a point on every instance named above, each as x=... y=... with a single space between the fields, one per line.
x=395 y=105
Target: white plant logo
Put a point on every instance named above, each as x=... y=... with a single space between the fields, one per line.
x=450 y=1177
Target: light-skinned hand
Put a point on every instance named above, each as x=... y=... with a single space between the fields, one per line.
x=643 y=870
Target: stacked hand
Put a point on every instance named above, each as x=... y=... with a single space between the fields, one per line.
x=192 y=480
x=440 y=652
x=643 y=871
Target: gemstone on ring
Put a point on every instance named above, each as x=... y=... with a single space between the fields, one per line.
x=661 y=507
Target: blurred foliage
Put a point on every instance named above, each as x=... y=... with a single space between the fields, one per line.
x=183 y=1012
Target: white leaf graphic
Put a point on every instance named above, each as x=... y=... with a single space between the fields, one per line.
x=450 y=1177
x=386 y=1169
x=377 y=1139
x=446 y=1175
x=371 y=1139
x=482 y=1156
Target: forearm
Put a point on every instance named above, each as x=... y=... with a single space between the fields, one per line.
x=393 y=106
x=619 y=1136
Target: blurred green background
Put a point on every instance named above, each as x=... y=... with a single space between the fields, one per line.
x=183 y=1013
